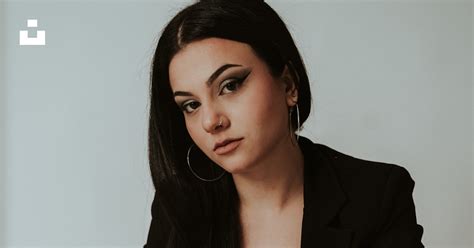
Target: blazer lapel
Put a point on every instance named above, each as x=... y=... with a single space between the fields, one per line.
x=323 y=199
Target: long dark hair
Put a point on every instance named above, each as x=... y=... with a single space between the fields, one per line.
x=198 y=213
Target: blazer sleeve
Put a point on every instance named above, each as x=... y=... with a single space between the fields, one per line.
x=158 y=233
x=398 y=226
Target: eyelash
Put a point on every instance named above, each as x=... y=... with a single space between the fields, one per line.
x=235 y=81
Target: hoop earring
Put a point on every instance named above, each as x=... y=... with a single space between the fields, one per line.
x=196 y=175
x=297 y=120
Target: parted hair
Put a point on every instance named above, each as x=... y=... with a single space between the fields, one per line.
x=190 y=212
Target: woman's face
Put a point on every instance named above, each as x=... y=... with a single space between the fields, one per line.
x=242 y=94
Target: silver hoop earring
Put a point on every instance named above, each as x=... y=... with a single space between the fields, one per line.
x=196 y=175
x=297 y=121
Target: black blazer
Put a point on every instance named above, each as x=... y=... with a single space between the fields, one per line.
x=352 y=203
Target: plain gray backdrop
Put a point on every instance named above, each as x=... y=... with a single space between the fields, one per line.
x=391 y=82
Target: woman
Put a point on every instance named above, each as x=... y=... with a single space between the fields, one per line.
x=229 y=94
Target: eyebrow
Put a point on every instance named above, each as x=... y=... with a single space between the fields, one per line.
x=209 y=82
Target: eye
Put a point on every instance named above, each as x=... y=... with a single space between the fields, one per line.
x=233 y=83
x=191 y=104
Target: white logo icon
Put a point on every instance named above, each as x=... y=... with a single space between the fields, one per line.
x=39 y=40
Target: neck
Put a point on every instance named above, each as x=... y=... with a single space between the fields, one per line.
x=275 y=183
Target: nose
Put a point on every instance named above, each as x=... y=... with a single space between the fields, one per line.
x=211 y=120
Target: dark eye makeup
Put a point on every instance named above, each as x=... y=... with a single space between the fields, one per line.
x=233 y=81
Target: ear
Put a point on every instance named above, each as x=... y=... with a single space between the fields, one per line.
x=289 y=81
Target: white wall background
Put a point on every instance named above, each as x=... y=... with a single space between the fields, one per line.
x=2 y=127
x=391 y=81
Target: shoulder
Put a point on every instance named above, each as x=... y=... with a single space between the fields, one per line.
x=355 y=173
x=378 y=195
x=370 y=200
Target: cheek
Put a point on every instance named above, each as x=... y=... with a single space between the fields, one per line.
x=197 y=132
x=265 y=107
x=192 y=130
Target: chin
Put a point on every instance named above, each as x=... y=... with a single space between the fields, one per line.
x=236 y=166
x=237 y=171
x=233 y=169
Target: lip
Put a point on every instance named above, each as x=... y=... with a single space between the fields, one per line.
x=228 y=147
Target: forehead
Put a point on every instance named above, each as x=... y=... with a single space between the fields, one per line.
x=199 y=59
